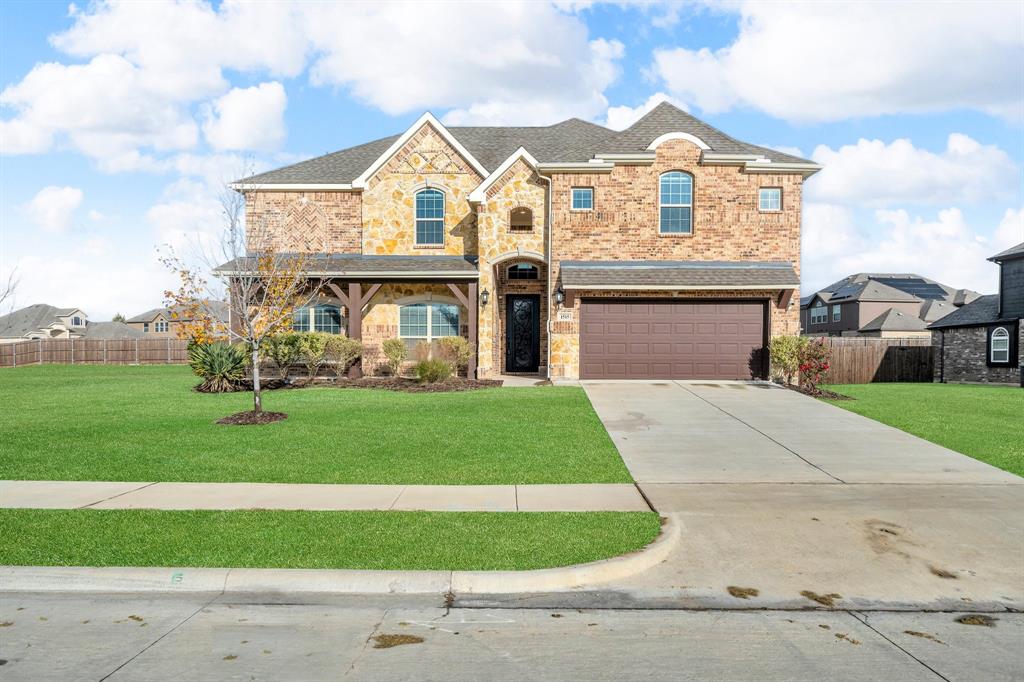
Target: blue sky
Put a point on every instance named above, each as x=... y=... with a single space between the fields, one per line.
x=120 y=121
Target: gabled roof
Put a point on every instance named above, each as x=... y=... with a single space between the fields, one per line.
x=111 y=330
x=981 y=311
x=1011 y=253
x=570 y=141
x=893 y=320
x=894 y=287
x=218 y=308
x=32 y=318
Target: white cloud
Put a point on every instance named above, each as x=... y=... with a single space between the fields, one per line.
x=52 y=207
x=831 y=61
x=901 y=242
x=621 y=117
x=1010 y=230
x=248 y=118
x=874 y=173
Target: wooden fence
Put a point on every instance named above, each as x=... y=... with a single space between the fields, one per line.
x=868 y=360
x=94 y=352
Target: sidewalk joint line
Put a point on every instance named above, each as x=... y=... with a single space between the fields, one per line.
x=794 y=452
x=114 y=497
x=856 y=616
x=515 y=492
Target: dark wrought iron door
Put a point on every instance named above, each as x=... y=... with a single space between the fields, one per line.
x=522 y=333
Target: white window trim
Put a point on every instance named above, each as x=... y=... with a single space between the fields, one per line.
x=662 y=205
x=824 y=314
x=1004 y=338
x=572 y=192
x=160 y=327
x=430 y=338
x=444 y=217
x=760 y=205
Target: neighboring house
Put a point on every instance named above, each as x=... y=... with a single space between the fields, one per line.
x=880 y=305
x=165 y=322
x=42 y=321
x=667 y=250
x=983 y=341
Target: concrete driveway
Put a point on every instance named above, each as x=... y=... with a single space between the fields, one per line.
x=786 y=494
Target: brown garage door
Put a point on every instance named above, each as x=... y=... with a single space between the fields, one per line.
x=671 y=339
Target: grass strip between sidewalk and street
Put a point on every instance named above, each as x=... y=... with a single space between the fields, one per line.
x=309 y=539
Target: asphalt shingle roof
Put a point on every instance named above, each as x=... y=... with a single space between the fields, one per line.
x=893 y=320
x=982 y=310
x=1010 y=254
x=30 y=318
x=218 y=308
x=770 y=275
x=111 y=330
x=342 y=265
x=572 y=140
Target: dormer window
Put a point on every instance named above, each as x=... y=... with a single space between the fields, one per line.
x=430 y=217
x=76 y=321
x=675 y=202
x=520 y=219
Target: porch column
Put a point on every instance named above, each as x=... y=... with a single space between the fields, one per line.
x=473 y=309
x=355 y=324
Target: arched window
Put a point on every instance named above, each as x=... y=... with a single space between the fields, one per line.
x=520 y=219
x=999 y=346
x=430 y=217
x=675 y=201
x=318 y=318
x=522 y=271
x=427 y=322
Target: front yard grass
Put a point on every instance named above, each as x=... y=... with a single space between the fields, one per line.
x=63 y=422
x=301 y=539
x=983 y=422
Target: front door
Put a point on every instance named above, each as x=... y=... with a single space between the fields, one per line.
x=522 y=333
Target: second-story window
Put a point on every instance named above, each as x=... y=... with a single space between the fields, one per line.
x=837 y=313
x=675 y=203
x=161 y=326
x=582 y=198
x=819 y=314
x=769 y=199
x=430 y=218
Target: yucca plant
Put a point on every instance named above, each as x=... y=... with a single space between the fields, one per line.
x=221 y=366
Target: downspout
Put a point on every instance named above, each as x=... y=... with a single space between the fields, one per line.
x=548 y=228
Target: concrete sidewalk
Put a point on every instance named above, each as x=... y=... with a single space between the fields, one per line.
x=320 y=497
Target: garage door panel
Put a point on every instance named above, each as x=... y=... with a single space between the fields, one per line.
x=622 y=339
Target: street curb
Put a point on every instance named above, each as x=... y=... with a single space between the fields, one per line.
x=329 y=581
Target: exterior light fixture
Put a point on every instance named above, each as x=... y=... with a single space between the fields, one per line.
x=485 y=296
x=559 y=296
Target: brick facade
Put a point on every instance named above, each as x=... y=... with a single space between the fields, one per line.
x=623 y=225
x=961 y=356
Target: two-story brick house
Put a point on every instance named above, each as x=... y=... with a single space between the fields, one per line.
x=667 y=250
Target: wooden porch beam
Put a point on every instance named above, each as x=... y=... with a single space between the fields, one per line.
x=471 y=307
x=374 y=288
x=355 y=324
x=785 y=296
x=458 y=293
x=341 y=295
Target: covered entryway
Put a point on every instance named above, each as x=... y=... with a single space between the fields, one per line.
x=623 y=338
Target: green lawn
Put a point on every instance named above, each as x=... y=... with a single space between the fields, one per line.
x=984 y=422
x=296 y=539
x=63 y=422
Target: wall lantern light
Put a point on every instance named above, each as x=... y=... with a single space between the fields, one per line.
x=559 y=296
x=485 y=296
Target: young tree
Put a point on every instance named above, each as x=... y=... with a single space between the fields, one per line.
x=262 y=288
x=7 y=288
x=120 y=318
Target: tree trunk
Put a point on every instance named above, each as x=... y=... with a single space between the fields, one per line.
x=257 y=399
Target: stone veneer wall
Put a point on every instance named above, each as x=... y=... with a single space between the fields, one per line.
x=304 y=222
x=380 y=319
x=623 y=225
x=388 y=206
x=499 y=247
x=506 y=286
x=565 y=335
x=966 y=357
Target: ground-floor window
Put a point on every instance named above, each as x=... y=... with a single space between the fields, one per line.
x=318 y=318
x=427 y=322
x=999 y=346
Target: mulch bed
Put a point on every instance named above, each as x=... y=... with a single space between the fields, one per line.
x=250 y=417
x=821 y=393
x=402 y=384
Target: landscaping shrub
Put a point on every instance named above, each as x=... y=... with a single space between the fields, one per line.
x=455 y=350
x=283 y=350
x=221 y=366
x=785 y=353
x=814 y=365
x=432 y=371
x=341 y=352
x=313 y=350
x=395 y=352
